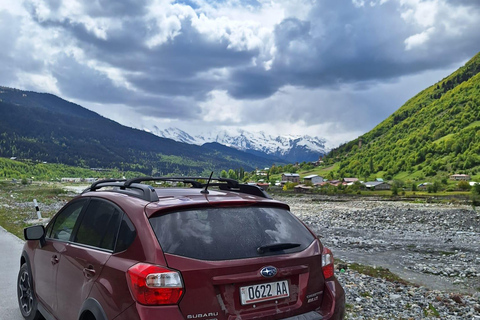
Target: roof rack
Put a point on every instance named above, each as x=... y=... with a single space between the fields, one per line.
x=136 y=188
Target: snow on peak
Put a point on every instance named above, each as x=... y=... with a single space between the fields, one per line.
x=279 y=146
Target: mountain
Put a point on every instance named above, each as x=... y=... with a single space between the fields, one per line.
x=289 y=149
x=434 y=134
x=44 y=127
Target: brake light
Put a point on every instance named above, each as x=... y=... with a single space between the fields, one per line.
x=327 y=263
x=154 y=285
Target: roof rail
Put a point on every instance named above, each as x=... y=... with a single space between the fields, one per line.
x=135 y=187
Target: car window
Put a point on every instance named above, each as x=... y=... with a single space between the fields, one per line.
x=65 y=220
x=126 y=235
x=229 y=233
x=99 y=225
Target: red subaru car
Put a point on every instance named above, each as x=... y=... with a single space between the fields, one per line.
x=215 y=251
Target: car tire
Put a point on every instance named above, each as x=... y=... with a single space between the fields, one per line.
x=26 y=296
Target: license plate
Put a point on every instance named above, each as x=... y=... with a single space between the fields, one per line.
x=264 y=292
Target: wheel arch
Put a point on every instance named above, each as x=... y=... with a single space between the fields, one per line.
x=25 y=259
x=92 y=307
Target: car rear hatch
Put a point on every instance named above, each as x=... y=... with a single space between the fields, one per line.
x=242 y=262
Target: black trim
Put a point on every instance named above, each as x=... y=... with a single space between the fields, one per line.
x=94 y=307
x=47 y=315
x=134 y=187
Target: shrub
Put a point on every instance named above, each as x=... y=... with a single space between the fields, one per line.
x=463 y=185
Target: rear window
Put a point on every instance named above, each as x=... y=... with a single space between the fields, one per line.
x=230 y=233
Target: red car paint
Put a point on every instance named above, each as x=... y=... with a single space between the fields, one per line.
x=73 y=280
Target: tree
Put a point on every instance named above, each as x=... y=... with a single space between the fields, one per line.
x=463 y=185
x=223 y=174
x=289 y=186
x=394 y=190
x=414 y=186
x=476 y=195
x=232 y=174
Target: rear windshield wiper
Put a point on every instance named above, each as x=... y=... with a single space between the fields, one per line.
x=277 y=247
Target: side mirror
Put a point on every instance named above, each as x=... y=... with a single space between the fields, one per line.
x=35 y=233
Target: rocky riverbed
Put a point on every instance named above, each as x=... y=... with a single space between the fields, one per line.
x=435 y=247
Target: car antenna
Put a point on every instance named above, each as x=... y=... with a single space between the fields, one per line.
x=205 y=191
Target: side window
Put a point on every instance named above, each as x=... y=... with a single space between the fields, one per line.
x=99 y=225
x=126 y=235
x=65 y=220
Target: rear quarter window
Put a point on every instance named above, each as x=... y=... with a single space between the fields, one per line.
x=229 y=233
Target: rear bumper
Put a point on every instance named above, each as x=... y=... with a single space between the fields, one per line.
x=332 y=308
x=333 y=305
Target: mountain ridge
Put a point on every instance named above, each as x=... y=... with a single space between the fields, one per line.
x=44 y=127
x=286 y=148
x=434 y=134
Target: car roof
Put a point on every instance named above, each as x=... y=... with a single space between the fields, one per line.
x=225 y=192
x=135 y=187
x=184 y=198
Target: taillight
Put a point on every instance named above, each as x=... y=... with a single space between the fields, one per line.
x=327 y=263
x=154 y=285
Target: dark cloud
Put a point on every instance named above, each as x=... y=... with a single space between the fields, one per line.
x=342 y=43
x=334 y=55
x=253 y=83
x=174 y=67
x=170 y=68
x=81 y=82
x=118 y=9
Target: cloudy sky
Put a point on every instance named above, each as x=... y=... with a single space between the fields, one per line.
x=326 y=68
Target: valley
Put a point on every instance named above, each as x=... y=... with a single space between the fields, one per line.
x=430 y=252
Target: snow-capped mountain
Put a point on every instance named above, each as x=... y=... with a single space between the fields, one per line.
x=288 y=148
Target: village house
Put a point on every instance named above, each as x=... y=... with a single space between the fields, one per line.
x=71 y=180
x=263 y=185
x=318 y=162
x=262 y=173
x=424 y=185
x=301 y=188
x=313 y=179
x=349 y=181
x=459 y=177
x=377 y=185
x=334 y=183
x=291 y=177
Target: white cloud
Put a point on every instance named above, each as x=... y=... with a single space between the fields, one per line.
x=221 y=108
x=421 y=12
x=358 y=3
x=418 y=39
x=38 y=82
x=168 y=21
x=324 y=68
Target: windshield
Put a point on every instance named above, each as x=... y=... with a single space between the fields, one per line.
x=230 y=233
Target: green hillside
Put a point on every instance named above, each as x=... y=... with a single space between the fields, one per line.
x=29 y=170
x=41 y=127
x=434 y=134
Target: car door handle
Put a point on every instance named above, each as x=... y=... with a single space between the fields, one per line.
x=54 y=260
x=89 y=272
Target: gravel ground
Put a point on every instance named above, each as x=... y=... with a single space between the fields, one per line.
x=435 y=247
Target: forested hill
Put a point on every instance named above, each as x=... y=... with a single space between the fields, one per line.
x=43 y=127
x=435 y=133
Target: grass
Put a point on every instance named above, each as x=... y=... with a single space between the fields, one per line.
x=375 y=272
x=431 y=311
x=17 y=207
